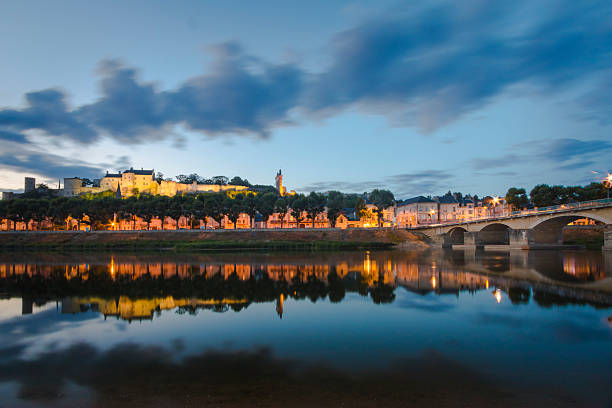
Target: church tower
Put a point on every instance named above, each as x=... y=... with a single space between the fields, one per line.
x=279 y=183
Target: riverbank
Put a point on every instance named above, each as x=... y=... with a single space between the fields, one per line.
x=588 y=236
x=213 y=240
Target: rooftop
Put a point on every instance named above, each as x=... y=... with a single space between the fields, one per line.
x=140 y=172
x=414 y=200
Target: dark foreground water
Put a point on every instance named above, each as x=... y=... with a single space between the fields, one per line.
x=311 y=329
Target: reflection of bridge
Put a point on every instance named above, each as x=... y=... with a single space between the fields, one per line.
x=524 y=229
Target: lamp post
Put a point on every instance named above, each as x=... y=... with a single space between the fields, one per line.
x=495 y=202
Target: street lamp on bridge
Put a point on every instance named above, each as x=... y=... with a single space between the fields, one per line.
x=607 y=182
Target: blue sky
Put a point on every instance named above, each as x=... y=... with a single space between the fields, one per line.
x=417 y=97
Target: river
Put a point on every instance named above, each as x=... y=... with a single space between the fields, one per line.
x=380 y=328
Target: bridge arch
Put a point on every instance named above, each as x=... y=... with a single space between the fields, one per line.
x=494 y=234
x=550 y=230
x=456 y=237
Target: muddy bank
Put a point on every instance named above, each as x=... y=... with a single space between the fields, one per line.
x=304 y=239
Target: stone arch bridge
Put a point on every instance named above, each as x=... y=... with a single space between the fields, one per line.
x=540 y=228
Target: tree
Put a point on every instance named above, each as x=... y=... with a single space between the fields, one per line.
x=281 y=206
x=517 y=198
x=41 y=191
x=27 y=211
x=299 y=204
x=542 y=195
x=4 y=212
x=335 y=201
x=261 y=188
x=179 y=207
x=233 y=207
x=250 y=207
x=220 y=180
x=145 y=209
x=59 y=211
x=38 y=210
x=189 y=179
x=127 y=210
x=360 y=207
x=593 y=191
x=161 y=208
x=382 y=199
x=199 y=209
x=76 y=209
x=315 y=205
x=214 y=206
x=237 y=181
x=17 y=211
x=265 y=205
x=101 y=211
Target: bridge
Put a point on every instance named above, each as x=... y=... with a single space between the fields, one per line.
x=528 y=229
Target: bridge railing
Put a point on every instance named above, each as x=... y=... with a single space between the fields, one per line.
x=537 y=210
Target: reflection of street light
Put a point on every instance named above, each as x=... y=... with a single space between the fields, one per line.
x=498 y=295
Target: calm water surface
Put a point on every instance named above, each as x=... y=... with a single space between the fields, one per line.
x=435 y=328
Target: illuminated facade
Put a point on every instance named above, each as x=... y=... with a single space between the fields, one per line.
x=282 y=190
x=131 y=182
x=416 y=211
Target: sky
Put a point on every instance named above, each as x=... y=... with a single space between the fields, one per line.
x=416 y=97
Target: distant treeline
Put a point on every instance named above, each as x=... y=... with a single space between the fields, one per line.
x=544 y=195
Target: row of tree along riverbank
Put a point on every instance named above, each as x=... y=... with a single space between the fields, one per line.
x=195 y=240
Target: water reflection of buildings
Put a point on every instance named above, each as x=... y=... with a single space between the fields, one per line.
x=234 y=281
x=374 y=268
x=129 y=309
x=583 y=267
x=423 y=279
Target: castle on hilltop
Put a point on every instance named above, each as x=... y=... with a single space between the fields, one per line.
x=132 y=182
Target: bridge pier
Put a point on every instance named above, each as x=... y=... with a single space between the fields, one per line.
x=472 y=239
x=607 y=238
x=478 y=239
x=521 y=238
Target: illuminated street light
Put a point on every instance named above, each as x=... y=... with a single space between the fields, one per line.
x=494 y=203
x=607 y=182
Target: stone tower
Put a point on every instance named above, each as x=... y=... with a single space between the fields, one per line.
x=30 y=184
x=279 y=183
